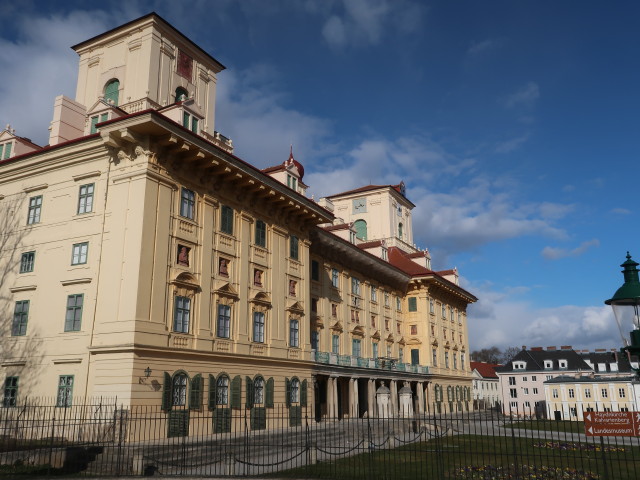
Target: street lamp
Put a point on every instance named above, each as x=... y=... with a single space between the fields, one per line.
x=625 y=303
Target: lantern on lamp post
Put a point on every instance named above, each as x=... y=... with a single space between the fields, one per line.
x=625 y=303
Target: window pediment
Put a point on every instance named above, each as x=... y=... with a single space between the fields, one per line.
x=337 y=327
x=186 y=280
x=358 y=331
x=225 y=288
x=296 y=307
x=376 y=335
x=262 y=299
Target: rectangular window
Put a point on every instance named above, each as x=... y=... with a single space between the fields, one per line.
x=226 y=220
x=572 y=393
x=334 y=277
x=400 y=355
x=415 y=356
x=524 y=379
x=444 y=311
x=434 y=357
x=181 y=315
x=335 y=344
x=386 y=299
x=194 y=125
x=65 y=391
x=462 y=361
x=605 y=393
x=555 y=393
x=374 y=293
x=261 y=234
x=315 y=340
x=355 y=347
x=455 y=361
x=293 y=247
x=446 y=359
x=413 y=304
x=373 y=321
x=355 y=286
x=186 y=120
x=414 y=330
x=10 y=395
x=294 y=333
x=621 y=393
x=35 y=209
x=85 y=198
x=533 y=378
x=431 y=306
x=258 y=327
x=549 y=377
x=20 y=318
x=535 y=391
x=375 y=349
x=94 y=121
x=27 y=261
x=512 y=380
x=513 y=393
x=398 y=304
x=315 y=270
x=224 y=321
x=187 y=203
x=526 y=391
x=73 y=318
x=79 y=253
x=587 y=393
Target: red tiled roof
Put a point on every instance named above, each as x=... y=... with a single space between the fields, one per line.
x=446 y=272
x=486 y=370
x=400 y=259
x=341 y=226
x=372 y=243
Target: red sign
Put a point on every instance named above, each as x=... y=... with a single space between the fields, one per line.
x=612 y=424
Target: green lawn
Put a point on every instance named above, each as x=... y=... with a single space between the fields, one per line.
x=549 y=425
x=477 y=457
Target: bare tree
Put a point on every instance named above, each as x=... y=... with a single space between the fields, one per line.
x=488 y=355
x=509 y=353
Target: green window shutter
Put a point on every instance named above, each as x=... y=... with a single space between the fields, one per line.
x=269 y=397
x=104 y=117
x=249 y=402
x=195 y=393
x=185 y=119
x=303 y=394
x=166 y=393
x=413 y=304
x=212 y=392
x=236 y=391
x=194 y=125
x=287 y=395
x=94 y=120
x=111 y=92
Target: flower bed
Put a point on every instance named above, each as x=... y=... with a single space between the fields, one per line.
x=542 y=472
x=574 y=447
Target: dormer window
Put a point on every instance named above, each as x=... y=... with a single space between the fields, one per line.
x=5 y=151
x=292 y=182
x=112 y=92
x=103 y=117
x=548 y=364
x=519 y=365
x=385 y=255
x=562 y=364
x=190 y=121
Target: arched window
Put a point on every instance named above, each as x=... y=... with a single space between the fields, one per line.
x=181 y=94
x=179 y=390
x=360 y=227
x=111 y=92
x=258 y=391
x=222 y=390
x=295 y=390
x=400 y=230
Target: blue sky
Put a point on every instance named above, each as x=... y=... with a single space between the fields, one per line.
x=513 y=124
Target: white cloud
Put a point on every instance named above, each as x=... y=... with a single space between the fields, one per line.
x=554 y=253
x=512 y=144
x=525 y=96
x=477 y=49
x=39 y=65
x=358 y=23
x=621 y=211
x=500 y=318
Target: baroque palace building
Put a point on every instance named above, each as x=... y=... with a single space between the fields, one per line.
x=141 y=259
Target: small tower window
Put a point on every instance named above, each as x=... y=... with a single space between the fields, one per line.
x=181 y=94
x=111 y=92
x=360 y=227
x=400 y=230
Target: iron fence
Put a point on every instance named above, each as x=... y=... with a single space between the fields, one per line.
x=103 y=438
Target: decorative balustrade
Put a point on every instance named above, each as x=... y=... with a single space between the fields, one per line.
x=364 y=362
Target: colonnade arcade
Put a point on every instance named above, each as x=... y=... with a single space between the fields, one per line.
x=339 y=396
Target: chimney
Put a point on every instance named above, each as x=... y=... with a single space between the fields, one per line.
x=550 y=349
x=601 y=350
x=524 y=347
x=536 y=349
x=566 y=347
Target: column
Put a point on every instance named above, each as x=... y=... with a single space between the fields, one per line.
x=336 y=410
x=420 y=394
x=394 y=398
x=371 y=398
x=330 y=405
x=356 y=399
x=351 y=401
